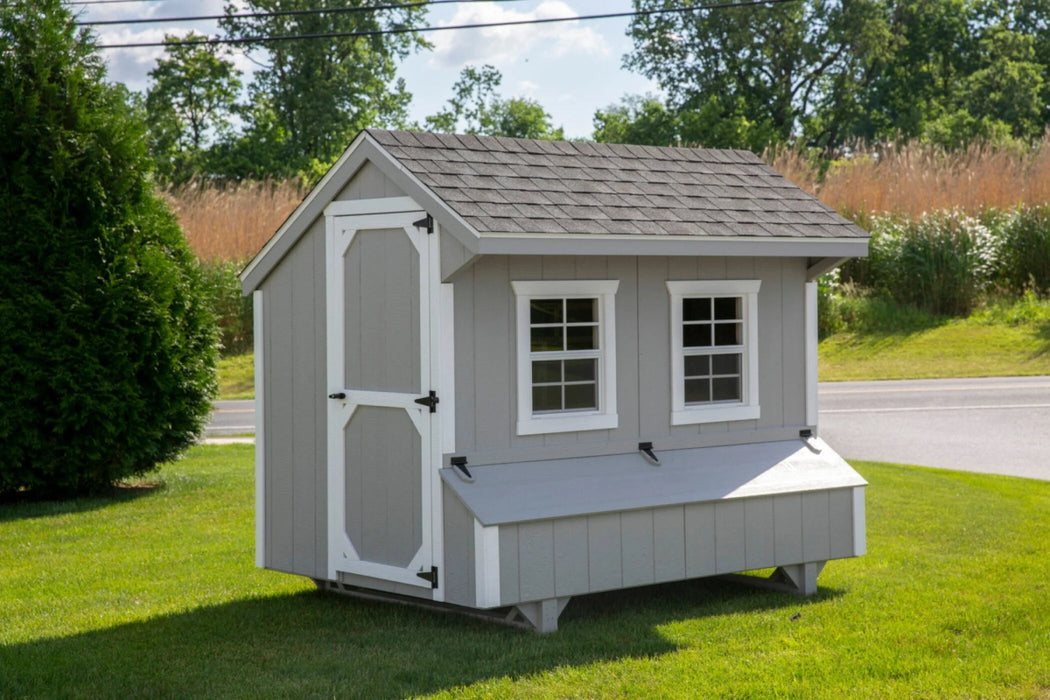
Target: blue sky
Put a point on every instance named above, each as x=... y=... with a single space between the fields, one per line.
x=571 y=68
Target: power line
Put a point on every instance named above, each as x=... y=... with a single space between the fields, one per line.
x=275 y=13
x=407 y=30
x=105 y=2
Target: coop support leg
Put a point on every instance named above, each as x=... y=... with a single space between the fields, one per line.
x=803 y=577
x=543 y=614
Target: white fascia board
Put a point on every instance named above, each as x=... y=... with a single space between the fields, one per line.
x=734 y=246
x=258 y=301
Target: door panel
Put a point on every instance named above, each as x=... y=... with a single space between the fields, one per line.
x=382 y=312
x=383 y=489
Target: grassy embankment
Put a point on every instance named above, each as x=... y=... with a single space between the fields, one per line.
x=153 y=592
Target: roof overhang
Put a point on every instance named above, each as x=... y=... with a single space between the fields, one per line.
x=647 y=244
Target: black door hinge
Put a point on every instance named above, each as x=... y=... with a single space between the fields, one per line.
x=427 y=222
x=431 y=576
x=430 y=400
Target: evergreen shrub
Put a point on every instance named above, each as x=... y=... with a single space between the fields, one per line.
x=107 y=346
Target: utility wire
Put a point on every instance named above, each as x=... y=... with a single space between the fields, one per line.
x=275 y=13
x=105 y=2
x=408 y=30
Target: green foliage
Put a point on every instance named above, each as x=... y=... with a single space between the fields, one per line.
x=232 y=309
x=1024 y=255
x=947 y=263
x=477 y=108
x=831 y=72
x=784 y=62
x=711 y=124
x=107 y=359
x=312 y=96
x=189 y=104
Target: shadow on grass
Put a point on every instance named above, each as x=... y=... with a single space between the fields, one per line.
x=24 y=505
x=313 y=644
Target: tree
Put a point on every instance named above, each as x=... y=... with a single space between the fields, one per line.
x=321 y=91
x=108 y=351
x=189 y=104
x=477 y=108
x=774 y=65
x=647 y=120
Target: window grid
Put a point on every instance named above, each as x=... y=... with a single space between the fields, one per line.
x=713 y=350
x=564 y=350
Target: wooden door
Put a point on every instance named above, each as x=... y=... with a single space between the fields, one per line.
x=383 y=442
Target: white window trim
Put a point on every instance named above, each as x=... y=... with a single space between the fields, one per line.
x=604 y=418
x=746 y=409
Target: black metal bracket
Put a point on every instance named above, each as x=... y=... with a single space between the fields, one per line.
x=426 y=222
x=459 y=465
x=431 y=400
x=431 y=576
x=646 y=448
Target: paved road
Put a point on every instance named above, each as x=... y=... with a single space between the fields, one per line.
x=231 y=418
x=993 y=425
x=996 y=425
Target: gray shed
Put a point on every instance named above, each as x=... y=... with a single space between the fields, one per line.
x=497 y=373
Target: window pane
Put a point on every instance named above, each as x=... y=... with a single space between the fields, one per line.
x=546 y=372
x=727 y=308
x=581 y=396
x=581 y=337
x=728 y=334
x=581 y=370
x=726 y=364
x=544 y=339
x=697 y=365
x=545 y=311
x=546 y=398
x=726 y=388
x=696 y=309
x=697 y=390
x=581 y=310
x=697 y=335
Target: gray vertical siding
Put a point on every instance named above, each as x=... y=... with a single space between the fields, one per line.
x=369 y=182
x=574 y=556
x=458 y=576
x=294 y=415
x=486 y=354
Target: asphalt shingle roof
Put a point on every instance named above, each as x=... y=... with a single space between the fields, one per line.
x=505 y=185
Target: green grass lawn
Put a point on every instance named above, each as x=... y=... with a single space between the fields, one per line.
x=958 y=348
x=237 y=376
x=153 y=593
x=879 y=340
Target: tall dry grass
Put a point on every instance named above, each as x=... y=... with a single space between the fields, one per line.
x=232 y=222
x=913 y=178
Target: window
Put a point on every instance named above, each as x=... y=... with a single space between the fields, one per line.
x=566 y=356
x=714 y=356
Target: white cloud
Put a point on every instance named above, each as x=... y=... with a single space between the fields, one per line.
x=453 y=49
x=527 y=88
